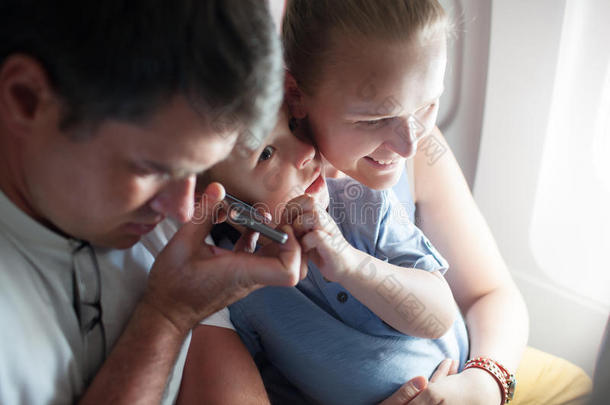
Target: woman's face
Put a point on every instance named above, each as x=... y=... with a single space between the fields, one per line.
x=374 y=104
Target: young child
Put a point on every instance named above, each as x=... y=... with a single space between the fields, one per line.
x=366 y=78
x=374 y=309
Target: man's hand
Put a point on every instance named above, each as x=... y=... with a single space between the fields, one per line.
x=191 y=280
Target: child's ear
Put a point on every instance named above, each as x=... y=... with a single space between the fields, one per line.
x=294 y=97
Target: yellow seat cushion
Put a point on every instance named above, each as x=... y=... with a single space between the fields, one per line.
x=544 y=379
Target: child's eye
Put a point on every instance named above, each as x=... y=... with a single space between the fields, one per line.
x=267 y=153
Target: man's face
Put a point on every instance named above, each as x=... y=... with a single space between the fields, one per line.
x=114 y=186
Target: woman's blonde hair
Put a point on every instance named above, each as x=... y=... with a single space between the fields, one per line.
x=310 y=28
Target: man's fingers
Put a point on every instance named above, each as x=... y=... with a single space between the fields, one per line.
x=247 y=242
x=443 y=370
x=251 y=271
x=290 y=252
x=286 y=261
x=407 y=392
x=304 y=268
x=204 y=215
x=220 y=214
x=277 y=265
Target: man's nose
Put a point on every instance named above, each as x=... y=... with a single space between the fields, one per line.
x=176 y=199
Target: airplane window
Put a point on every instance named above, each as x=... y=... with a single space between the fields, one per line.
x=570 y=232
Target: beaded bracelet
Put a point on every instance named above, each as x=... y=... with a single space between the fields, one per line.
x=505 y=380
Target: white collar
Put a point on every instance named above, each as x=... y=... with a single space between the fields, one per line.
x=30 y=234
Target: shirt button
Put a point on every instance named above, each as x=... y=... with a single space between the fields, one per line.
x=342 y=297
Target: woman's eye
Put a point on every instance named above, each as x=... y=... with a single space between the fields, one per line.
x=266 y=153
x=425 y=110
x=374 y=124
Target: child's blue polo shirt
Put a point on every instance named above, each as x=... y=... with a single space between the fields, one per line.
x=325 y=342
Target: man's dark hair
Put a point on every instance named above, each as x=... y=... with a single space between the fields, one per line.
x=123 y=59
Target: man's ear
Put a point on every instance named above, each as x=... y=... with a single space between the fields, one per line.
x=25 y=95
x=294 y=97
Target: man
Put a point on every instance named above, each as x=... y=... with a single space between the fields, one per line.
x=108 y=110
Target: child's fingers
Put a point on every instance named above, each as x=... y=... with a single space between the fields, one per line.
x=297 y=207
x=311 y=220
x=326 y=248
x=316 y=239
x=304 y=223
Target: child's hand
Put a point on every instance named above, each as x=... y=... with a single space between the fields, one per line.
x=319 y=235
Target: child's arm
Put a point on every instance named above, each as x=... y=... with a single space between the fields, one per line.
x=415 y=302
x=220 y=370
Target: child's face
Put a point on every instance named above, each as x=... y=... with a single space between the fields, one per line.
x=372 y=107
x=283 y=167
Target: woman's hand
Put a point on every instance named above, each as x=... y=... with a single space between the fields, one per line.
x=407 y=392
x=470 y=387
x=446 y=386
x=412 y=388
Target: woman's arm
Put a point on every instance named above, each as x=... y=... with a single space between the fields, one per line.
x=494 y=310
x=220 y=370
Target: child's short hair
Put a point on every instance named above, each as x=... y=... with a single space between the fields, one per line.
x=310 y=27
